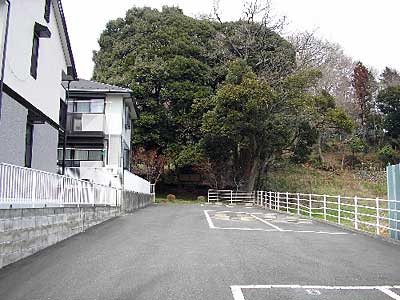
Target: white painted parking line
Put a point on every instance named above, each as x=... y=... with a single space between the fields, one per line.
x=246 y=229
x=266 y=222
x=236 y=212
x=237 y=290
x=276 y=228
x=389 y=293
x=279 y=231
x=317 y=232
x=210 y=222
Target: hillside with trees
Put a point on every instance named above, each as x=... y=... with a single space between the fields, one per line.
x=230 y=104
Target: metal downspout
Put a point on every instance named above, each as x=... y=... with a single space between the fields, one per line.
x=65 y=129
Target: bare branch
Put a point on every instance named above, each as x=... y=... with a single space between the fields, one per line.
x=216 y=11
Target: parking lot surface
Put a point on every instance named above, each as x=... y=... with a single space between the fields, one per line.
x=209 y=252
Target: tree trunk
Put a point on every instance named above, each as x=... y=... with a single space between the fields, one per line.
x=320 y=155
x=342 y=163
x=254 y=171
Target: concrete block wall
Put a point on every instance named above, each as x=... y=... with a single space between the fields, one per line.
x=132 y=201
x=26 y=231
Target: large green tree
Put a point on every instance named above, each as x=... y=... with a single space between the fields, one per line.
x=173 y=62
x=217 y=96
x=389 y=77
x=326 y=118
x=389 y=105
x=163 y=58
x=252 y=123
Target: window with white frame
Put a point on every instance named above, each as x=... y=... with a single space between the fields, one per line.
x=86 y=106
x=74 y=156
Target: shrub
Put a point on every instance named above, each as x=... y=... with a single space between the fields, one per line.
x=201 y=198
x=307 y=138
x=171 y=197
x=357 y=145
x=387 y=155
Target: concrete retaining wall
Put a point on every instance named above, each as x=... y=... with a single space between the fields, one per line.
x=26 y=231
x=133 y=201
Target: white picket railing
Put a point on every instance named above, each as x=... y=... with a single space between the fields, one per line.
x=372 y=215
x=230 y=196
x=24 y=187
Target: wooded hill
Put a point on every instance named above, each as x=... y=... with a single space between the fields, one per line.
x=229 y=100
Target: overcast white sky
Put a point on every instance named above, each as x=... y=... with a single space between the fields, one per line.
x=368 y=30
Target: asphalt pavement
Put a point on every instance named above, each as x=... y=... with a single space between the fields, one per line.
x=208 y=252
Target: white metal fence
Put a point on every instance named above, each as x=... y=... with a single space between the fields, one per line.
x=230 y=196
x=24 y=187
x=371 y=215
x=153 y=191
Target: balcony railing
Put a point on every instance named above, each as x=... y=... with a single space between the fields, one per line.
x=86 y=122
x=23 y=187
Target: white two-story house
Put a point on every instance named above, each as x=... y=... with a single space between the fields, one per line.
x=98 y=141
x=37 y=57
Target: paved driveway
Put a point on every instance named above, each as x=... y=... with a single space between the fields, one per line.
x=208 y=252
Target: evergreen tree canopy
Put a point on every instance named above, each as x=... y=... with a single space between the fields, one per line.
x=172 y=61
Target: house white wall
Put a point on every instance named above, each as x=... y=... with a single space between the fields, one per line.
x=114 y=114
x=113 y=130
x=46 y=91
x=116 y=132
x=126 y=132
x=135 y=183
x=114 y=151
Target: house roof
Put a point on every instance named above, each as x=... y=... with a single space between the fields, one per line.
x=65 y=38
x=84 y=85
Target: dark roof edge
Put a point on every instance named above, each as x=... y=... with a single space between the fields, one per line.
x=64 y=23
x=84 y=85
x=93 y=91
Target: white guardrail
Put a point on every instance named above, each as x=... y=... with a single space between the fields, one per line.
x=24 y=187
x=372 y=215
x=230 y=196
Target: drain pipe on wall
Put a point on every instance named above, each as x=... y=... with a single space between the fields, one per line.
x=3 y=62
x=66 y=128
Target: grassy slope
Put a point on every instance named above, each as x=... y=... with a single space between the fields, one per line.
x=297 y=178
x=301 y=179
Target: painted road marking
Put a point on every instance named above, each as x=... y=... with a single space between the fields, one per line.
x=210 y=223
x=246 y=229
x=212 y=226
x=270 y=217
x=313 y=292
x=237 y=290
x=389 y=293
x=268 y=223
